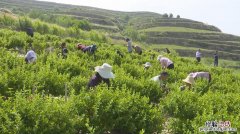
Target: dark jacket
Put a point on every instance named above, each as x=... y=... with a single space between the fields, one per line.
x=96 y=80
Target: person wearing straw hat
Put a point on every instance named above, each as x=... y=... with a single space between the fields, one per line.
x=165 y=62
x=103 y=73
x=147 y=65
x=189 y=81
x=161 y=79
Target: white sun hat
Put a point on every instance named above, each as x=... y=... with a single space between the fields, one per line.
x=147 y=64
x=189 y=80
x=156 y=78
x=159 y=57
x=105 y=71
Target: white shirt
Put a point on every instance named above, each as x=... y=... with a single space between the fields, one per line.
x=200 y=75
x=30 y=54
x=198 y=54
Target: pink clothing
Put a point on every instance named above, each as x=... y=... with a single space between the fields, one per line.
x=200 y=75
x=165 y=62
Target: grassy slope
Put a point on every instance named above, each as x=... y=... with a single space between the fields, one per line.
x=159 y=30
x=50 y=73
x=175 y=29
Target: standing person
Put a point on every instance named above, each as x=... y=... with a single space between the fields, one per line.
x=129 y=45
x=138 y=49
x=165 y=62
x=162 y=79
x=30 y=57
x=103 y=73
x=216 y=59
x=64 y=50
x=198 y=55
x=29 y=31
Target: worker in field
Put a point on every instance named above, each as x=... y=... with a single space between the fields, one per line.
x=189 y=81
x=30 y=57
x=216 y=59
x=167 y=51
x=29 y=31
x=138 y=49
x=64 y=50
x=91 y=49
x=103 y=74
x=165 y=62
x=147 y=65
x=196 y=75
x=129 y=45
x=205 y=75
x=198 y=55
x=162 y=80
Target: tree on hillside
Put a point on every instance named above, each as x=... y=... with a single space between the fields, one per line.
x=165 y=15
x=170 y=15
x=178 y=16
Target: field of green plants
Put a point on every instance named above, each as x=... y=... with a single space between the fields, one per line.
x=51 y=96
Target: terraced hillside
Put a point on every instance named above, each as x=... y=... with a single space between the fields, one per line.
x=155 y=29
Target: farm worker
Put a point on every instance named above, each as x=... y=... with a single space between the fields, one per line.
x=90 y=49
x=198 y=55
x=205 y=75
x=30 y=57
x=81 y=46
x=103 y=73
x=93 y=48
x=84 y=48
x=29 y=31
x=167 y=50
x=189 y=81
x=119 y=53
x=138 y=49
x=162 y=79
x=195 y=75
x=165 y=62
x=147 y=65
x=64 y=50
x=129 y=45
x=216 y=59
